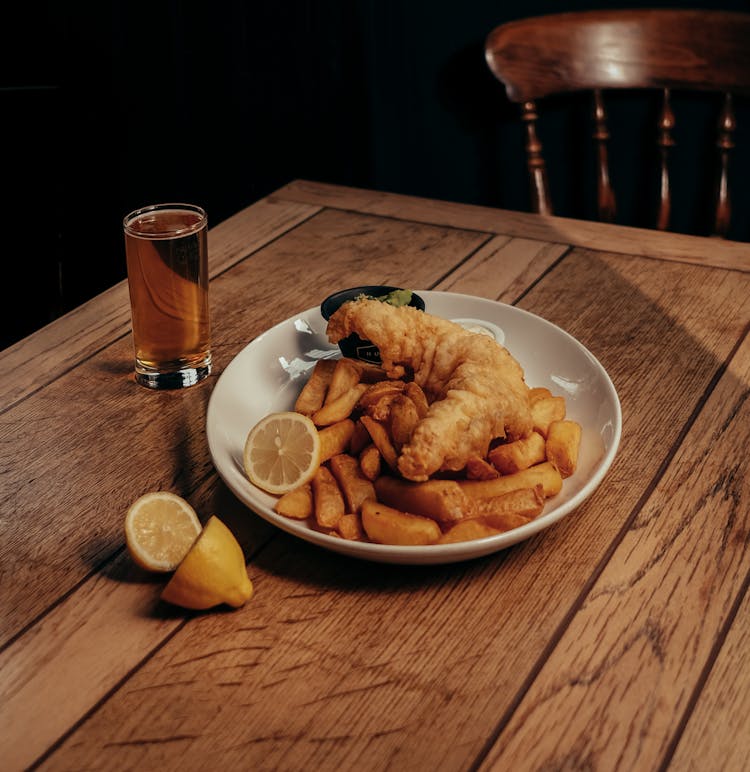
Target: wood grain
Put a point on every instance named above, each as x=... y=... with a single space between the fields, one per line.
x=93 y=646
x=641 y=242
x=409 y=676
x=503 y=269
x=688 y=49
x=722 y=715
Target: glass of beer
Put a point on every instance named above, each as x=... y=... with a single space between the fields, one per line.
x=167 y=258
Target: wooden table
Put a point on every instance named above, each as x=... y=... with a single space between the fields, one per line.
x=617 y=639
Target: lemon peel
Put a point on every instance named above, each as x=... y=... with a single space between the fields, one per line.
x=212 y=573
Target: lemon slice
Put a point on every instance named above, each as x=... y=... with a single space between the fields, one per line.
x=282 y=452
x=213 y=572
x=160 y=528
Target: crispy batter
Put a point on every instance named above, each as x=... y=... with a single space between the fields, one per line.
x=475 y=387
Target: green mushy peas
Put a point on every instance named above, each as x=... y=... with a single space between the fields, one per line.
x=398 y=297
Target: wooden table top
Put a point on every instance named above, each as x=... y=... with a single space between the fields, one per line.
x=619 y=638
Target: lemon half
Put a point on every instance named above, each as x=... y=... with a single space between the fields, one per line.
x=160 y=528
x=282 y=452
x=213 y=572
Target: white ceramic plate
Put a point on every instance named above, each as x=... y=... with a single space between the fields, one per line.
x=269 y=372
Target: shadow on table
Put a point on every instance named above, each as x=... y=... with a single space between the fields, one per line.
x=660 y=401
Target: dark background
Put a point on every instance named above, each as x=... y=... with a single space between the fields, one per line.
x=109 y=106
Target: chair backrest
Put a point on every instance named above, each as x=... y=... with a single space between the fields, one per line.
x=631 y=49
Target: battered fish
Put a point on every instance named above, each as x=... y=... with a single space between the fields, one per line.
x=475 y=387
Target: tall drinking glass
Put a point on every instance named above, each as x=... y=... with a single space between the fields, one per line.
x=167 y=257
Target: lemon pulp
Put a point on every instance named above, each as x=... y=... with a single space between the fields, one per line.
x=282 y=452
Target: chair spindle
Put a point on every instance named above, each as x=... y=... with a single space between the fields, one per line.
x=605 y=193
x=541 y=200
x=725 y=143
x=665 y=141
x=655 y=51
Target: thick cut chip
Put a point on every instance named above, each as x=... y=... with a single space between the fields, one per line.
x=468 y=530
x=297 y=503
x=354 y=486
x=441 y=500
x=546 y=410
x=335 y=438
x=543 y=474
x=519 y=454
x=328 y=501
x=386 y=525
x=314 y=392
x=563 y=442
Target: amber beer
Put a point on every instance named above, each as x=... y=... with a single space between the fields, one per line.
x=167 y=259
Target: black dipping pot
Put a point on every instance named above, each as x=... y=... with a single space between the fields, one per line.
x=353 y=346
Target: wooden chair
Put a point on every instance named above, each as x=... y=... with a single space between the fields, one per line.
x=632 y=49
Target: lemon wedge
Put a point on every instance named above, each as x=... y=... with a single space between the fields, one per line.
x=160 y=528
x=282 y=452
x=213 y=572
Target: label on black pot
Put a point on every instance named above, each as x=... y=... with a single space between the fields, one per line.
x=369 y=353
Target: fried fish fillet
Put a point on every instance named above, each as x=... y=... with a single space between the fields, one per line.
x=476 y=388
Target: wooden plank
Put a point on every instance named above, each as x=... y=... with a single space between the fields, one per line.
x=631 y=658
x=594 y=235
x=415 y=665
x=84 y=654
x=74 y=464
x=718 y=728
x=61 y=345
x=503 y=269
